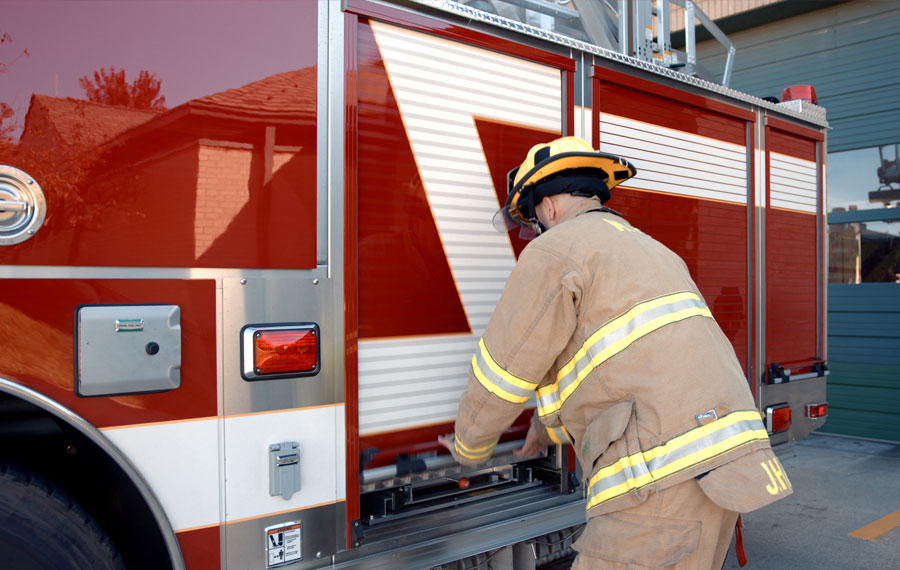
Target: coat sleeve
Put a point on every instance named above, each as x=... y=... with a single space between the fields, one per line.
x=530 y=327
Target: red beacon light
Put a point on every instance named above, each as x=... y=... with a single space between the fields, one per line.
x=799 y=93
x=279 y=351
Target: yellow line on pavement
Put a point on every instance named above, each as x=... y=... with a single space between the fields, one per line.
x=874 y=530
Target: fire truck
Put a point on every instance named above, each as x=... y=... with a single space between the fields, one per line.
x=232 y=329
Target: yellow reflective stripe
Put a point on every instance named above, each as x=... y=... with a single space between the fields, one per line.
x=492 y=364
x=498 y=381
x=618 y=322
x=471 y=452
x=621 y=345
x=699 y=432
x=675 y=443
x=709 y=452
x=558 y=435
x=682 y=452
x=656 y=313
x=674 y=467
x=618 y=226
x=493 y=388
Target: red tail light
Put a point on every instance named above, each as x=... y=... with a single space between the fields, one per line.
x=817 y=410
x=279 y=351
x=778 y=418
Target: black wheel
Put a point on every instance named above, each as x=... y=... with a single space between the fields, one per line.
x=41 y=527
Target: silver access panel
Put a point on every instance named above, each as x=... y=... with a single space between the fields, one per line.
x=127 y=349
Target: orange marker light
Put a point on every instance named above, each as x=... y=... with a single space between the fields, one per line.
x=463 y=482
x=817 y=410
x=280 y=351
x=285 y=351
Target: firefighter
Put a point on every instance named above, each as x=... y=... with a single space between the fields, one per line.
x=604 y=325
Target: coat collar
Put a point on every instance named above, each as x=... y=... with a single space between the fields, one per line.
x=582 y=207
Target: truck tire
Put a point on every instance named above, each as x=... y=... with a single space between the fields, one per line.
x=42 y=527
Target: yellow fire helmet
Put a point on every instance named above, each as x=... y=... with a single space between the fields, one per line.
x=566 y=165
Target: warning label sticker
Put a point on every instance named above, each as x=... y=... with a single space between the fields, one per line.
x=283 y=544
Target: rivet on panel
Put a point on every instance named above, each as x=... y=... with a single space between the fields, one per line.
x=315 y=281
x=243 y=281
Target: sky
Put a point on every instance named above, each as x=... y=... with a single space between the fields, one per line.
x=195 y=48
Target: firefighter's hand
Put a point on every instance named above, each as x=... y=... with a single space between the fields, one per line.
x=447 y=441
x=532 y=445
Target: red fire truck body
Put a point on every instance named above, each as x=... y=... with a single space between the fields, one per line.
x=232 y=330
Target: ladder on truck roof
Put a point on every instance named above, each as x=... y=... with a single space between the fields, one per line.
x=622 y=26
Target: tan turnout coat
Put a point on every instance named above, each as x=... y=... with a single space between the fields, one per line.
x=607 y=326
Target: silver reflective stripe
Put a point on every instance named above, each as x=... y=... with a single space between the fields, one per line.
x=680 y=453
x=497 y=380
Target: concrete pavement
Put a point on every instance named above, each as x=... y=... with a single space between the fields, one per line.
x=840 y=486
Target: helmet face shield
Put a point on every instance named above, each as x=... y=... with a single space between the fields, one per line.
x=519 y=208
x=504 y=223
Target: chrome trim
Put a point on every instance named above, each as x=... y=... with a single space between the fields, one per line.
x=813 y=113
x=464 y=532
x=336 y=129
x=751 y=208
x=820 y=221
x=323 y=100
x=770 y=411
x=808 y=375
x=25 y=206
x=759 y=239
x=823 y=234
x=248 y=371
x=124 y=272
x=816 y=405
x=92 y=433
x=332 y=131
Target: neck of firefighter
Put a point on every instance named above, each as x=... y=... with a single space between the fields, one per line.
x=555 y=209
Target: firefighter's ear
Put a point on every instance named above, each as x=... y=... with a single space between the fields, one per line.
x=547 y=211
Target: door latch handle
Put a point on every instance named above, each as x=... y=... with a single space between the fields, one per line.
x=13 y=206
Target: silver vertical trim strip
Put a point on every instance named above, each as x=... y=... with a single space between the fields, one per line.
x=819 y=265
x=323 y=202
x=751 y=205
x=825 y=247
x=335 y=136
x=335 y=132
x=760 y=261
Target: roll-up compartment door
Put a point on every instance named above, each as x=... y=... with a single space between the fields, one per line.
x=792 y=243
x=691 y=191
x=440 y=123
